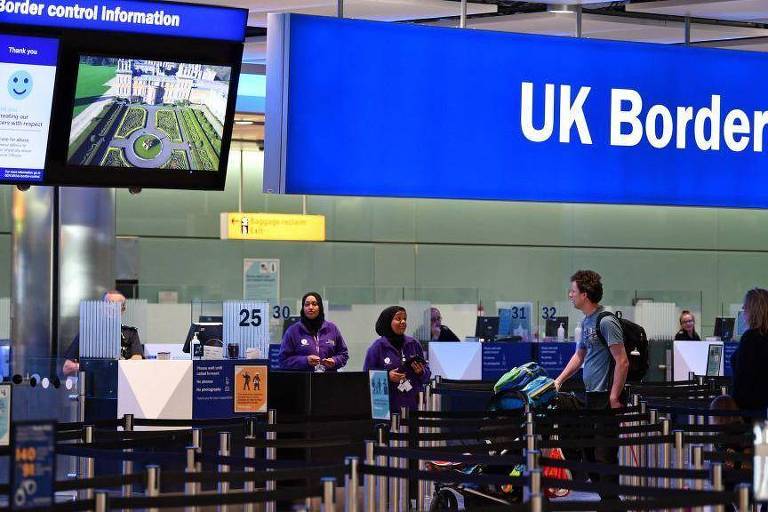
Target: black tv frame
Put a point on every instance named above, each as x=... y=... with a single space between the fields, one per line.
x=73 y=44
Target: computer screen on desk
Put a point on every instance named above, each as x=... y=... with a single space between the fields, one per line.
x=724 y=327
x=487 y=327
x=206 y=331
x=714 y=358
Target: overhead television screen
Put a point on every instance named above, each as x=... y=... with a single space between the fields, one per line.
x=27 y=75
x=149 y=114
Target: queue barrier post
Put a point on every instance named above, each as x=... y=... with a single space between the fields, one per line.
x=197 y=442
x=537 y=503
x=101 y=502
x=650 y=450
x=642 y=455
x=403 y=482
x=533 y=487
x=369 y=483
x=351 y=484
x=153 y=483
x=271 y=454
x=127 y=489
x=666 y=451
x=87 y=466
x=679 y=455
x=697 y=460
x=225 y=450
x=191 y=488
x=81 y=393
x=329 y=494
x=742 y=497
x=381 y=461
x=249 y=452
x=394 y=483
x=717 y=481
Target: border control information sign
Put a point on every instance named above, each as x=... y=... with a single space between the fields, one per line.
x=379 y=394
x=5 y=414
x=160 y=19
x=658 y=124
x=250 y=388
x=34 y=459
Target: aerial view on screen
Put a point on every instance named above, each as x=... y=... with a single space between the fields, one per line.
x=148 y=113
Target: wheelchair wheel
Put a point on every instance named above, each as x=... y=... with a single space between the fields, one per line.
x=444 y=501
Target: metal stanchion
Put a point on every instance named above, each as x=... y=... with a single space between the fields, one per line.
x=87 y=464
x=666 y=449
x=679 y=455
x=81 y=396
x=369 y=482
x=642 y=456
x=381 y=481
x=127 y=489
x=403 y=482
x=394 y=462
x=153 y=483
x=249 y=452
x=351 y=484
x=697 y=460
x=101 y=503
x=225 y=450
x=329 y=494
x=271 y=454
x=742 y=497
x=532 y=458
x=650 y=450
x=717 y=481
x=191 y=488
x=537 y=504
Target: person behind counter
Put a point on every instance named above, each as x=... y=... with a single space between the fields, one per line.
x=313 y=343
x=440 y=332
x=401 y=356
x=130 y=344
x=687 y=330
x=750 y=387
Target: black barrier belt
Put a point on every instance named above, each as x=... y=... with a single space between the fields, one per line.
x=150 y=457
x=736 y=440
x=496 y=446
x=613 y=469
x=249 y=463
x=438 y=455
x=626 y=490
x=101 y=482
x=705 y=412
x=582 y=429
x=239 y=477
x=300 y=443
x=150 y=422
x=726 y=457
x=67 y=506
x=358 y=425
x=703 y=391
x=132 y=443
x=732 y=428
x=468 y=391
x=464 y=414
x=554 y=413
x=69 y=436
x=738 y=476
x=442 y=476
x=5 y=450
x=664 y=383
x=205 y=500
x=78 y=425
x=578 y=419
x=624 y=506
x=604 y=442
x=131 y=435
x=458 y=436
x=461 y=422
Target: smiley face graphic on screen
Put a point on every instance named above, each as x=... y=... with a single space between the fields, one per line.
x=19 y=84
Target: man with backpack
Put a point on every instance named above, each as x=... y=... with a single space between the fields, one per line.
x=601 y=350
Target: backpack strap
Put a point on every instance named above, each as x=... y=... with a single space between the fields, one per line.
x=600 y=336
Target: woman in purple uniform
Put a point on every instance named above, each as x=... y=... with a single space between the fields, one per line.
x=401 y=356
x=313 y=344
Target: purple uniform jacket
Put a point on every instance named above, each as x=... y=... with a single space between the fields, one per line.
x=382 y=355
x=298 y=343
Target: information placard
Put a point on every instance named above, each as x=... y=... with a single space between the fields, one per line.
x=246 y=323
x=5 y=414
x=379 y=394
x=34 y=459
x=250 y=388
x=261 y=280
x=27 y=74
x=499 y=358
x=553 y=356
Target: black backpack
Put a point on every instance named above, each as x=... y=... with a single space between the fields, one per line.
x=635 y=343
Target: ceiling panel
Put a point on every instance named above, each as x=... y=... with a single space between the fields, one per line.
x=734 y=10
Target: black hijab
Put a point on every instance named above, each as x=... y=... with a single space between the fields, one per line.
x=384 y=326
x=313 y=326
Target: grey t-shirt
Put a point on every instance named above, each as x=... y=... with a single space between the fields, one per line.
x=597 y=364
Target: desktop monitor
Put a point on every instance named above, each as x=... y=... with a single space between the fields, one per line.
x=487 y=327
x=724 y=327
x=290 y=321
x=206 y=331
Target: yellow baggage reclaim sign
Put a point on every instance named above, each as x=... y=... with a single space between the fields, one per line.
x=272 y=226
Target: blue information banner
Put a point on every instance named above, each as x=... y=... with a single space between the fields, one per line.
x=499 y=358
x=379 y=386
x=213 y=387
x=155 y=18
x=34 y=470
x=729 y=347
x=274 y=356
x=393 y=109
x=553 y=356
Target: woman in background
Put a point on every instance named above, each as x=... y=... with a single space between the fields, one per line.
x=313 y=344
x=687 y=330
x=750 y=385
x=401 y=356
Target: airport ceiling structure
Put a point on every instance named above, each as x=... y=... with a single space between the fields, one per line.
x=734 y=24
